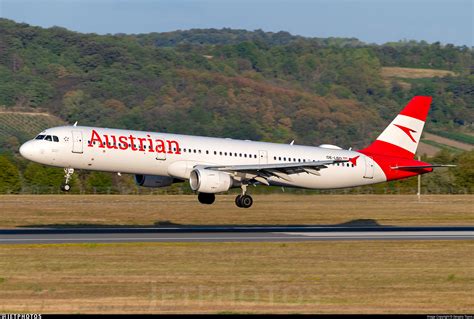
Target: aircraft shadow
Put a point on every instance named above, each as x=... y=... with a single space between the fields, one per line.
x=357 y=225
x=163 y=224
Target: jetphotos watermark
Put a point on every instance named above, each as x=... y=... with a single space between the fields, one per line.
x=227 y=296
x=20 y=316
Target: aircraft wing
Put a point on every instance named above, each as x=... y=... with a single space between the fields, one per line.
x=261 y=172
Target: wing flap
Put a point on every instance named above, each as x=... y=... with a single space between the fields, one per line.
x=262 y=172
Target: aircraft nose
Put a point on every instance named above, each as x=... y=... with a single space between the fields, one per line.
x=26 y=150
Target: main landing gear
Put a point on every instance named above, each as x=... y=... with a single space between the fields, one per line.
x=206 y=198
x=65 y=187
x=243 y=201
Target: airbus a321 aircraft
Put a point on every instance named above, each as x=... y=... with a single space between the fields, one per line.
x=214 y=165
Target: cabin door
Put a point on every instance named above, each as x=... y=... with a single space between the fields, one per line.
x=77 y=142
x=369 y=167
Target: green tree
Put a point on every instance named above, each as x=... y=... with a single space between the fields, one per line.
x=99 y=182
x=43 y=178
x=9 y=176
x=464 y=172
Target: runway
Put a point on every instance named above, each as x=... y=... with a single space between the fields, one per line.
x=291 y=233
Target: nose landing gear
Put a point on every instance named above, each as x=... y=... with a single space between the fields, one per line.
x=243 y=201
x=65 y=187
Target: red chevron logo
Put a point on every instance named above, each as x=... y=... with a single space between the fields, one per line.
x=354 y=160
x=407 y=131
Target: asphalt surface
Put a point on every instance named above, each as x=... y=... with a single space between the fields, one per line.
x=262 y=233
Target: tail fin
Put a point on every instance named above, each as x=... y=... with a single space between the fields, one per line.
x=401 y=137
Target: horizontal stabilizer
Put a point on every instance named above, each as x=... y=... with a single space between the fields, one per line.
x=416 y=167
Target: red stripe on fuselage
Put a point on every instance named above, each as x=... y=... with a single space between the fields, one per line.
x=386 y=162
x=384 y=148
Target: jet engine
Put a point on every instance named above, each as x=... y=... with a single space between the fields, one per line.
x=153 y=180
x=209 y=181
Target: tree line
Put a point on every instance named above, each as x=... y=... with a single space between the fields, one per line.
x=18 y=176
x=231 y=83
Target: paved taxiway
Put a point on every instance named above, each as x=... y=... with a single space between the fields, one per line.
x=231 y=234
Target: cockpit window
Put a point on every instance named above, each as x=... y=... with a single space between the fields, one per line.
x=49 y=138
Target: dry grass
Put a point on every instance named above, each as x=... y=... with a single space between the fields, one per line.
x=323 y=277
x=413 y=73
x=449 y=142
x=148 y=210
x=427 y=149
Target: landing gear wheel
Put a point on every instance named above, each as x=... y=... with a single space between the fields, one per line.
x=206 y=198
x=65 y=187
x=245 y=201
x=237 y=201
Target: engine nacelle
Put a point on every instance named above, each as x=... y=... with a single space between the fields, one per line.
x=209 y=181
x=153 y=180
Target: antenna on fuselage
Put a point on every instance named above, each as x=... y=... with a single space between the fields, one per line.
x=75 y=124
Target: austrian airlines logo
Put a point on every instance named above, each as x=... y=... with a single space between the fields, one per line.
x=407 y=131
x=354 y=160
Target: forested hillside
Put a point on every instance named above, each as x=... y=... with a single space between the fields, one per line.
x=233 y=83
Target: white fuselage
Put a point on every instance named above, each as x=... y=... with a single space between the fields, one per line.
x=176 y=155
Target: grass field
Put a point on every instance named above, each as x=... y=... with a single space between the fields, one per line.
x=427 y=149
x=449 y=142
x=323 y=277
x=149 y=210
x=413 y=73
x=305 y=277
x=25 y=124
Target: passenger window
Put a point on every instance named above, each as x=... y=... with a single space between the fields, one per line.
x=48 y=138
